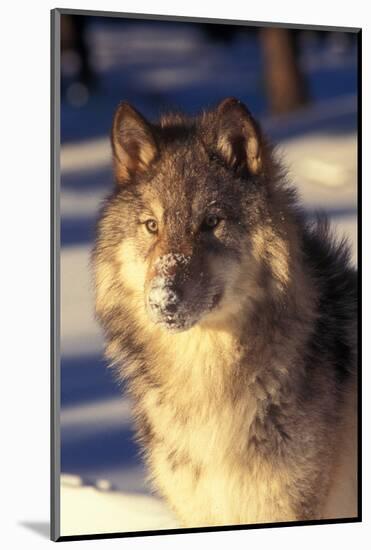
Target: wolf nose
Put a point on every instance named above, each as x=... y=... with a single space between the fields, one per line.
x=171 y=307
x=164 y=299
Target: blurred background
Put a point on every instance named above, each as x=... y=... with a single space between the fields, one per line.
x=301 y=85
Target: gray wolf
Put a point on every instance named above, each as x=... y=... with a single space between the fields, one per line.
x=232 y=320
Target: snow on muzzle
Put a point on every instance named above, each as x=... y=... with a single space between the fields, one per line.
x=179 y=292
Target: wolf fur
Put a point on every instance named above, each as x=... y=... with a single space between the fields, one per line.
x=232 y=321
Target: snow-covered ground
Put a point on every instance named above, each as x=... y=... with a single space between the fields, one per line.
x=101 y=510
x=103 y=485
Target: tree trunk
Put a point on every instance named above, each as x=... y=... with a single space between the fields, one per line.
x=285 y=82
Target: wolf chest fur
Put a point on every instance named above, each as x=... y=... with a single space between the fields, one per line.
x=232 y=321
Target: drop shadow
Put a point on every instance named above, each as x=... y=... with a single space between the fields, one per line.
x=42 y=528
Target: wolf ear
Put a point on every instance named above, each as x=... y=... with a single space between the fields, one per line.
x=238 y=137
x=133 y=143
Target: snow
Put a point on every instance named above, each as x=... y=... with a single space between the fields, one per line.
x=81 y=421
x=87 y=510
x=324 y=169
x=79 y=331
x=88 y=155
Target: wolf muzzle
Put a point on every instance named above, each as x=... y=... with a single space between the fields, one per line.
x=169 y=298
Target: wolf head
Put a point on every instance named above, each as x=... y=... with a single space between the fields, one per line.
x=193 y=216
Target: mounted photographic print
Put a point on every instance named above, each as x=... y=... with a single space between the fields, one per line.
x=204 y=278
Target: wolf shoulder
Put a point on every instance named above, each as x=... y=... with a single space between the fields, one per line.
x=336 y=340
x=329 y=261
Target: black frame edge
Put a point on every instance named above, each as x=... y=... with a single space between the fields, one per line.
x=191 y=19
x=54 y=275
x=160 y=532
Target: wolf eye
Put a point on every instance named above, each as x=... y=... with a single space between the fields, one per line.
x=210 y=222
x=151 y=226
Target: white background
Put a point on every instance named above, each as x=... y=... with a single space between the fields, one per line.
x=25 y=260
